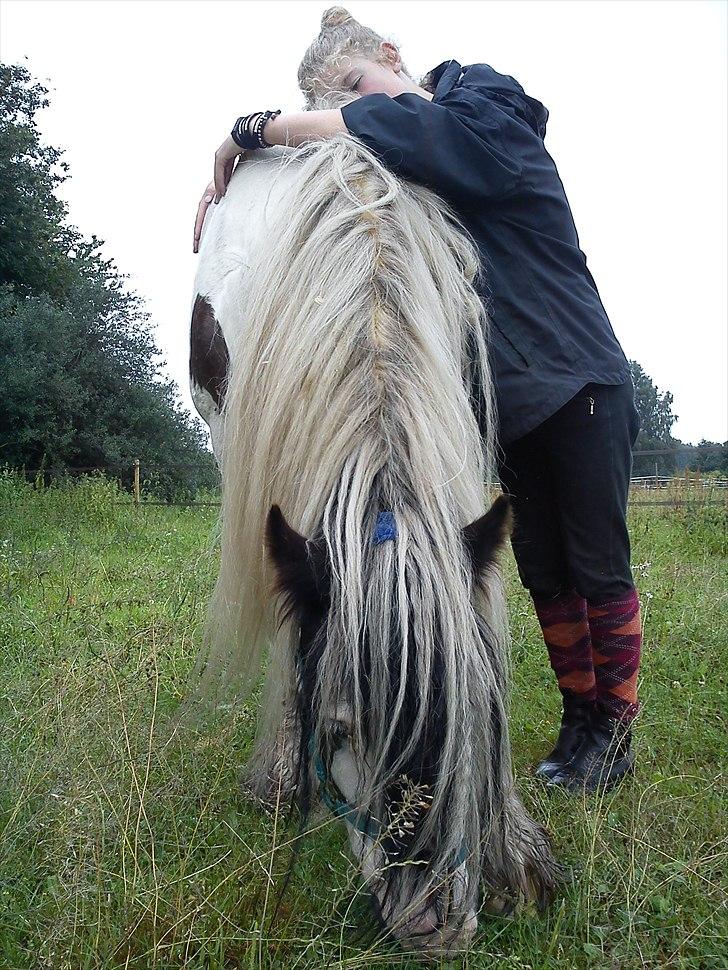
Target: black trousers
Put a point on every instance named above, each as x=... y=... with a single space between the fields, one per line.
x=569 y=482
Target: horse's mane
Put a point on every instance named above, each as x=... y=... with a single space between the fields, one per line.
x=346 y=397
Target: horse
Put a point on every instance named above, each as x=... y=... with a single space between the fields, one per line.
x=339 y=357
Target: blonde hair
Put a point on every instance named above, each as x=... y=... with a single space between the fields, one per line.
x=340 y=37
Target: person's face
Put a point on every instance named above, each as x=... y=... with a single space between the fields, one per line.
x=374 y=77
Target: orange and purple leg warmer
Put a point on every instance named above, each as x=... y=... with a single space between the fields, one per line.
x=594 y=648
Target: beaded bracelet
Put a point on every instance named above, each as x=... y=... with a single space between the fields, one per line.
x=247 y=135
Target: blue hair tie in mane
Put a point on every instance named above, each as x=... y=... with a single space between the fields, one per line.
x=385 y=529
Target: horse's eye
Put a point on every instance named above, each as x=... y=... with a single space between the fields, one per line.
x=338 y=732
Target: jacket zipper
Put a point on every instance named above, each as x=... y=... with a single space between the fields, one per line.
x=591 y=405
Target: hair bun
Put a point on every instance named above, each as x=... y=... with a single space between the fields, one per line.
x=335 y=17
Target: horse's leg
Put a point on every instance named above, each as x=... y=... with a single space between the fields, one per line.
x=531 y=847
x=271 y=775
x=523 y=864
x=520 y=859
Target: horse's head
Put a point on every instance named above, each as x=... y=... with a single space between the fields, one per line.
x=387 y=737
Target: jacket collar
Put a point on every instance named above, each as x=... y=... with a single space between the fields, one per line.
x=494 y=85
x=444 y=77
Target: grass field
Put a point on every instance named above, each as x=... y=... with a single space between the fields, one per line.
x=121 y=848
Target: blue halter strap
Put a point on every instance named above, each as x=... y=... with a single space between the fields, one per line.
x=334 y=800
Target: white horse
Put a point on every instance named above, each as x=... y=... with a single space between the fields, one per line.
x=336 y=342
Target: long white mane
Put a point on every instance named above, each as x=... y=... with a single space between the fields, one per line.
x=345 y=297
x=354 y=332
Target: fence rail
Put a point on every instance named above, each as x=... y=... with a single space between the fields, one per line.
x=682 y=481
x=689 y=488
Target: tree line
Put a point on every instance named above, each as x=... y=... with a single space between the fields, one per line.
x=81 y=375
x=656 y=421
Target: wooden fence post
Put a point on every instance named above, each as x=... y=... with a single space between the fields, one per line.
x=136 y=482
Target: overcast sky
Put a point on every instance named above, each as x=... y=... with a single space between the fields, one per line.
x=144 y=92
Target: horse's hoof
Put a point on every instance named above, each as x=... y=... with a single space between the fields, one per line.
x=268 y=791
x=496 y=904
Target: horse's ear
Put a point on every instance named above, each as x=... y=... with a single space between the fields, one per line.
x=299 y=569
x=484 y=537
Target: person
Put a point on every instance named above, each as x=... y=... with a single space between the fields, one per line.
x=567 y=420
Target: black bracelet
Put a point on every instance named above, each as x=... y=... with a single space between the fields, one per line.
x=246 y=135
x=241 y=133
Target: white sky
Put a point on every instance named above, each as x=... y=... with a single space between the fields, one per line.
x=144 y=92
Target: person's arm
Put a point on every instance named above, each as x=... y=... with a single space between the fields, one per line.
x=298 y=127
x=293 y=128
x=457 y=149
x=463 y=149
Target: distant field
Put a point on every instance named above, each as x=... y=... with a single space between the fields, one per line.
x=118 y=850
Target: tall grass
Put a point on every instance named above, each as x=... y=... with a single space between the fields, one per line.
x=123 y=844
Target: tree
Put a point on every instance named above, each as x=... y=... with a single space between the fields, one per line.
x=82 y=376
x=656 y=421
x=709 y=456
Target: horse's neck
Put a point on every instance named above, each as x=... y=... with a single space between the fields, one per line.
x=237 y=230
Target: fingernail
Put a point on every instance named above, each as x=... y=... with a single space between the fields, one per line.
x=208 y=198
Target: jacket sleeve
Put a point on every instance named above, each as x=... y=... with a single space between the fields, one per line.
x=456 y=149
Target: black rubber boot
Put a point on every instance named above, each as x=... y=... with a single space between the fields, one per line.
x=574 y=723
x=602 y=759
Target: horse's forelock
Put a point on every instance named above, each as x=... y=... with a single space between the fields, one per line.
x=421 y=682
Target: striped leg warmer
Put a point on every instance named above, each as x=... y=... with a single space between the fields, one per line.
x=565 y=629
x=616 y=635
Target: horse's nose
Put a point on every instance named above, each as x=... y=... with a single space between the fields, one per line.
x=435 y=940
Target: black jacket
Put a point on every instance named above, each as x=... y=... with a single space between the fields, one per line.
x=479 y=144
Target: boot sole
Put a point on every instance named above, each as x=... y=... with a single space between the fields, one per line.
x=576 y=784
x=554 y=768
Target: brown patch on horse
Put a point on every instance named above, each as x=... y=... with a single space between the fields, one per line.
x=209 y=357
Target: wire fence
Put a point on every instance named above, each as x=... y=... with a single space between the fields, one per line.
x=688 y=488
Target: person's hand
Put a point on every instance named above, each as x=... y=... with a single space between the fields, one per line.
x=207 y=196
x=225 y=158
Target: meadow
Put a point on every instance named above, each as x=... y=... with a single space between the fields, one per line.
x=123 y=845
